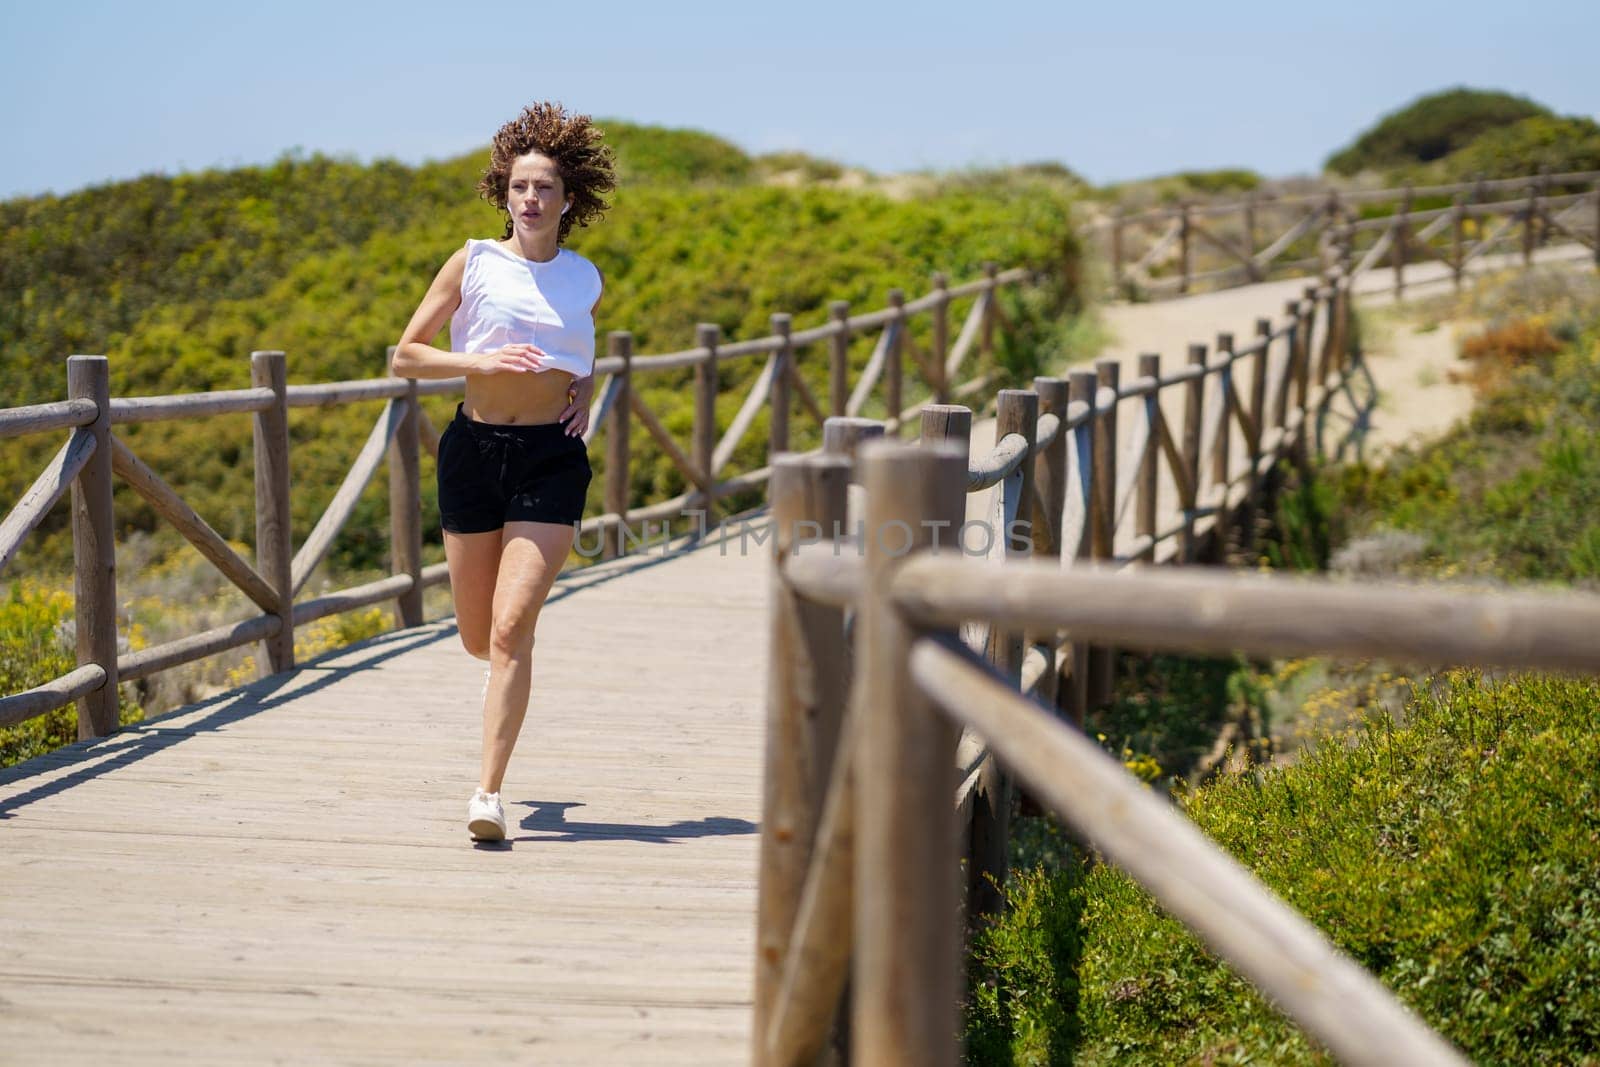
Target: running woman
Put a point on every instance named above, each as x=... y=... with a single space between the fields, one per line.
x=513 y=465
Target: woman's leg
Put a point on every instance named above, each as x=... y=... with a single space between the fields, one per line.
x=474 y=561
x=531 y=556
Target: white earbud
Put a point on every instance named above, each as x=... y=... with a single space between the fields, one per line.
x=564 y=208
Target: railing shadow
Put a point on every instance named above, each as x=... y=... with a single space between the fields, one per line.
x=136 y=741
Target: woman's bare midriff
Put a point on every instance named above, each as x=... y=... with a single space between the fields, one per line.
x=525 y=399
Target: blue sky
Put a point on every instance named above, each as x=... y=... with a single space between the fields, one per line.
x=94 y=91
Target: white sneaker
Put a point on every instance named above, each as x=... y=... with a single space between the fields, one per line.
x=486 y=819
x=483 y=696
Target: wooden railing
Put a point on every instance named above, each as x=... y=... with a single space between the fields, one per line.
x=93 y=453
x=904 y=677
x=1172 y=251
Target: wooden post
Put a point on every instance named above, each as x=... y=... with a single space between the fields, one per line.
x=1149 y=471
x=908 y=950
x=1458 y=239
x=705 y=406
x=893 y=399
x=1291 y=364
x=1074 y=698
x=1597 y=225
x=991 y=291
x=1258 y=388
x=1116 y=249
x=1050 y=471
x=1184 y=244
x=274 y=534
x=948 y=422
x=1047 y=508
x=1017 y=412
x=806 y=692
x=839 y=359
x=94 y=550
x=1530 y=217
x=842 y=435
x=405 y=506
x=1397 y=254
x=940 y=343
x=1194 y=395
x=620 y=346
x=1108 y=375
x=1221 y=452
x=1249 y=208
x=778 y=389
x=1541 y=232
x=1306 y=325
x=1339 y=316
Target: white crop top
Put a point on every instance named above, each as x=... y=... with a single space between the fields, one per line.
x=506 y=299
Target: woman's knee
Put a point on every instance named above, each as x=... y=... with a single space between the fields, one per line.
x=477 y=645
x=512 y=635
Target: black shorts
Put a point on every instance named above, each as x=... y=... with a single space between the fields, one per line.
x=491 y=474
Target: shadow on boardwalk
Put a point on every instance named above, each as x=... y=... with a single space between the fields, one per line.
x=132 y=743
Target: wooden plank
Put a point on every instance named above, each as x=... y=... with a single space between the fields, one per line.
x=970 y=327
x=873 y=370
x=754 y=399
x=674 y=451
x=807 y=397
x=51 y=484
x=172 y=507
x=203 y=880
x=343 y=504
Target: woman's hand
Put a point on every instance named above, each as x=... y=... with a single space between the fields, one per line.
x=580 y=394
x=511 y=359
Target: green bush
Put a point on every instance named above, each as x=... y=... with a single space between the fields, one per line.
x=1513 y=492
x=34 y=648
x=1562 y=144
x=1430 y=128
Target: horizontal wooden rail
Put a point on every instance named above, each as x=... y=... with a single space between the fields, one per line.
x=31 y=703
x=1330 y=225
x=148 y=661
x=189 y=405
x=42 y=418
x=357 y=596
x=1263 y=614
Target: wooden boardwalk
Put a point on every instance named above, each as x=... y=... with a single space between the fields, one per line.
x=283 y=874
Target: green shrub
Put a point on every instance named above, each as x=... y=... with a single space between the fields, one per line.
x=1452 y=855
x=1022 y=976
x=35 y=647
x=1431 y=127
x=1562 y=144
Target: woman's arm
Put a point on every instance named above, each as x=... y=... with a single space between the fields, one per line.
x=414 y=357
x=581 y=393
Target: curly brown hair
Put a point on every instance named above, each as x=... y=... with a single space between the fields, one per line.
x=586 y=165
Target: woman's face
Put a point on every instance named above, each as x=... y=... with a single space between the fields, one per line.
x=535 y=194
